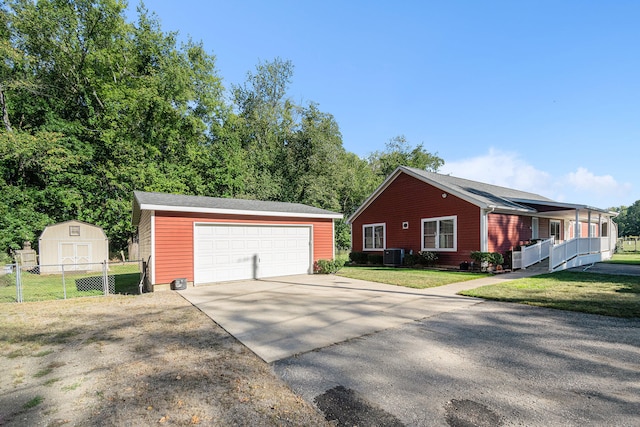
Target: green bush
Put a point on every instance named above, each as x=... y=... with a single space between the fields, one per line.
x=410 y=260
x=427 y=258
x=327 y=266
x=375 y=259
x=358 y=257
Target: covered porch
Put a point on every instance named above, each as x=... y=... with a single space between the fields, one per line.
x=588 y=235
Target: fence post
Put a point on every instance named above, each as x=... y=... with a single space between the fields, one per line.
x=64 y=284
x=18 y=282
x=105 y=279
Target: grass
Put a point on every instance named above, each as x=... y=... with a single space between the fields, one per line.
x=625 y=258
x=408 y=277
x=37 y=287
x=604 y=294
x=33 y=402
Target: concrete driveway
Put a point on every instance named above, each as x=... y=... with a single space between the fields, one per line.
x=373 y=354
x=281 y=317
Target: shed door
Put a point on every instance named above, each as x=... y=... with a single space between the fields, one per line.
x=74 y=254
x=240 y=252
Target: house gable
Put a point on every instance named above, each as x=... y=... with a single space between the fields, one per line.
x=403 y=205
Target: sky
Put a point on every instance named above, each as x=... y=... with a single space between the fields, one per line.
x=537 y=95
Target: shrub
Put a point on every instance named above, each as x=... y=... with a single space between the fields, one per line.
x=375 y=259
x=327 y=266
x=358 y=257
x=497 y=258
x=410 y=260
x=427 y=258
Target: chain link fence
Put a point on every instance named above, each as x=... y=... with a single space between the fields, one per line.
x=628 y=244
x=63 y=281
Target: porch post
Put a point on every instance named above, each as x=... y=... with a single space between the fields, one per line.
x=576 y=232
x=589 y=233
x=484 y=230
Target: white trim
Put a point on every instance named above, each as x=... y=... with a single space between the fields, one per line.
x=333 y=241
x=237 y=212
x=535 y=229
x=384 y=236
x=437 y=220
x=153 y=248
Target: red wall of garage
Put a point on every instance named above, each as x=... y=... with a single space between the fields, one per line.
x=174 y=239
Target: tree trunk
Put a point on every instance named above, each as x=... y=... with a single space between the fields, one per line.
x=5 y=113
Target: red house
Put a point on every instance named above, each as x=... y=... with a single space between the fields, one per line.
x=208 y=239
x=416 y=210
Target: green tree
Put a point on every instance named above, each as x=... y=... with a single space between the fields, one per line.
x=400 y=153
x=628 y=220
x=266 y=115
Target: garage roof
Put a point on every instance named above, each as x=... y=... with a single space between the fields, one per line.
x=202 y=204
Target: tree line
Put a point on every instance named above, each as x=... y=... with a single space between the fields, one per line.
x=94 y=107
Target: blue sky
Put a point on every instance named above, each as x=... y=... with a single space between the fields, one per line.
x=542 y=96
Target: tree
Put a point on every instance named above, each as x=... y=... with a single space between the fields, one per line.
x=628 y=220
x=266 y=116
x=399 y=153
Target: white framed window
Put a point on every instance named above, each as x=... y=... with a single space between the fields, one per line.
x=374 y=236
x=440 y=234
x=604 y=229
x=593 y=229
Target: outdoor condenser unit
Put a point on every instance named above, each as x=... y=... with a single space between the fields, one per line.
x=393 y=257
x=179 y=284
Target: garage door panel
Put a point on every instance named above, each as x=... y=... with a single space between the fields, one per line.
x=238 y=252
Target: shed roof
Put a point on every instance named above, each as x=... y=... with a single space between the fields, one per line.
x=486 y=196
x=203 y=204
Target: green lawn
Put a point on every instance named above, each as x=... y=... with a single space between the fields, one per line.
x=410 y=278
x=632 y=258
x=605 y=294
x=36 y=287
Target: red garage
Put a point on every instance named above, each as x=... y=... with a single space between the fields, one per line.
x=208 y=239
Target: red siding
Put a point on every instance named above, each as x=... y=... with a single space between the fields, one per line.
x=174 y=239
x=409 y=199
x=507 y=231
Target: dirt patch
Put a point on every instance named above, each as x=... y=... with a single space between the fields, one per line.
x=134 y=360
x=467 y=413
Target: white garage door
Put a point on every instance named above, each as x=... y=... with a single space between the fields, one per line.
x=238 y=252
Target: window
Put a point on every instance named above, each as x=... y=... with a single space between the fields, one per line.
x=373 y=235
x=74 y=230
x=554 y=229
x=593 y=229
x=440 y=234
x=604 y=229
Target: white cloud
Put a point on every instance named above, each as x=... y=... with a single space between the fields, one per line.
x=509 y=169
x=597 y=187
x=502 y=168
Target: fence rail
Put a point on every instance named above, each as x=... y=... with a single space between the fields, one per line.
x=63 y=281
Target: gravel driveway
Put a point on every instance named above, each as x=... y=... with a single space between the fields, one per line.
x=485 y=365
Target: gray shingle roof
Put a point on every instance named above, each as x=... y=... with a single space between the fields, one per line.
x=182 y=203
x=486 y=196
x=482 y=193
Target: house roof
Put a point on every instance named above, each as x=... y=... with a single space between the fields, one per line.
x=485 y=196
x=202 y=204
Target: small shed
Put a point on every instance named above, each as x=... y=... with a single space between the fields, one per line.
x=75 y=244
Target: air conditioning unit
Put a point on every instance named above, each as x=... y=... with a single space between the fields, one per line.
x=393 y=257
x=179 y=284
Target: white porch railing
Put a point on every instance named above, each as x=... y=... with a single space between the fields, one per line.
x=533 y=254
